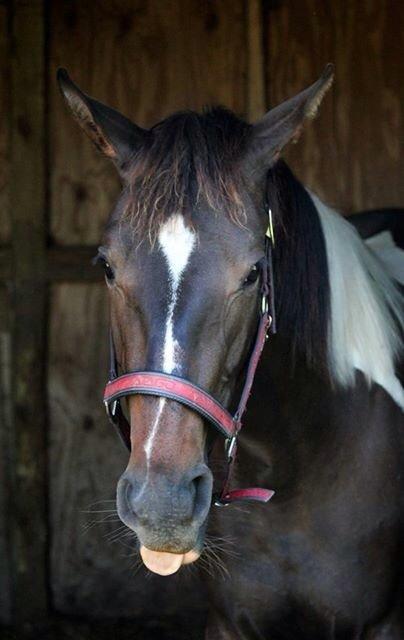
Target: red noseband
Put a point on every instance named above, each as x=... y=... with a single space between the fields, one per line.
x=175 y=388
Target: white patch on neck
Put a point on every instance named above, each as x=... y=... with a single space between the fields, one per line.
x=383 y=245
x=363 y=334
x=176 y=241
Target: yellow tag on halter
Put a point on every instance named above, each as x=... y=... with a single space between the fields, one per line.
x=270 y=229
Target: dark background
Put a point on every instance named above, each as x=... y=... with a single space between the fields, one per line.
x=59 y=457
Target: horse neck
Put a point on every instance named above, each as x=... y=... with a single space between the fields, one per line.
x=298 y=421
x=301 y=406
x=287 y=413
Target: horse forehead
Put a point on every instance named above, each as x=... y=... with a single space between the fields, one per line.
x=207 y=235
x=179 y=243
x=176 y=241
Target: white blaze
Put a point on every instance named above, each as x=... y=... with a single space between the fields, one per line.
x=176 y=242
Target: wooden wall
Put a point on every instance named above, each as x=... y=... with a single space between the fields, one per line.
x=59 y=457
x=5 y=321
x=353 y=153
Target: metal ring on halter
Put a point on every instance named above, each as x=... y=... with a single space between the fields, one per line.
x=219 y=503
x=111 y=408
x=230 y=445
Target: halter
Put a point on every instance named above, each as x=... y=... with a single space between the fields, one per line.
x=189 y=394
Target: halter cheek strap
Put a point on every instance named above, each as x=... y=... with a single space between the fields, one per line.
x=189 y=394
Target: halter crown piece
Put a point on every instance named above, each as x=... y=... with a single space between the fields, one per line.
x=185 y=392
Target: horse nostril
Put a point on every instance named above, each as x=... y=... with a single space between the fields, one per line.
x=160 y=500
x=124 y=501
x=202 y=484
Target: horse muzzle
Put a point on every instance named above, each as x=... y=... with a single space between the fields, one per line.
x=167 y=513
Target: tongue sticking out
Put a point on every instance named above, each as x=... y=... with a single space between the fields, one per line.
x=165 y=564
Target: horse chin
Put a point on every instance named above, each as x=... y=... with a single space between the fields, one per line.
x=164 y=563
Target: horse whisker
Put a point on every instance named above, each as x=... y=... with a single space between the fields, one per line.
x=98 y=511
x=89 y=525
x=116 y=532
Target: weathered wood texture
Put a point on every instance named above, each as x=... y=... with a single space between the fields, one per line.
x=4 y=119
x=5 y=337
x=89 y=573
x=27 y=202
x=62 y=264
x=147 y=59
x=5 y=467
x=73 y=264
x=353 y=154
x=255 y=80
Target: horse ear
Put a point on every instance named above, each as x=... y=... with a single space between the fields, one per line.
x=285 y=122
x=113 y=134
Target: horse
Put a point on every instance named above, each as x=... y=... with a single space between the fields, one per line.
x=206 y=198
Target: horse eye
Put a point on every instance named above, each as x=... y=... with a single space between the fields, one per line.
x=252 y=276
x=109 y=272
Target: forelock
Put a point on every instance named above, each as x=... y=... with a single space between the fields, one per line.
x=186 y=159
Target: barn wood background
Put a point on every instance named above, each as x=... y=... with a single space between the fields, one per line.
x=59 y=458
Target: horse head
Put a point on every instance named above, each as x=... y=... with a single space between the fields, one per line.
x=181 y=254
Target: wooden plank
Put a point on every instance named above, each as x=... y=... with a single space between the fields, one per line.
x=28 y=515
x=171 y=55
x=353 y=153
x=6 y=269
x=300 y=41
x=255 y=83
x=85 y=459
x=5 y=222
x=5 y=470
x=371 y=95
x=62 y=264
x=5 y=337
x=73 y=264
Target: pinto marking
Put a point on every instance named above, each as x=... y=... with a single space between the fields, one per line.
x=176 y=242
x=365 y=304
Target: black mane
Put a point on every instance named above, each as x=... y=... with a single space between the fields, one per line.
x=301 y=268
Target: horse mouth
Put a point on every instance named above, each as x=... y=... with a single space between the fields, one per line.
x=164 y=563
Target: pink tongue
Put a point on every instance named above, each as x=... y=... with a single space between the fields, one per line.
x=160 y=562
